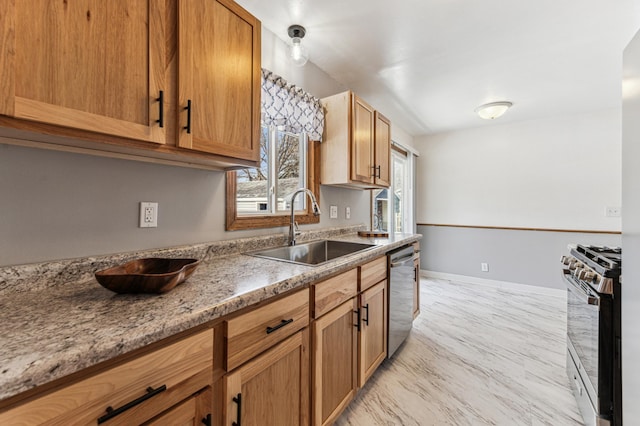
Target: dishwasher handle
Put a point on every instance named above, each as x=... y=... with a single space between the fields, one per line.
x=403 y=260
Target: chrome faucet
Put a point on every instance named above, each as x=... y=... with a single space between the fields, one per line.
x=293 y=226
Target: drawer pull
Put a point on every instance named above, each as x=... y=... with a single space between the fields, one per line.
x=111 y=412
x=238 y=400
x=282 y=324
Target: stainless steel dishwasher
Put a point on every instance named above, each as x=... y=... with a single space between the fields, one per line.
x=401 y=280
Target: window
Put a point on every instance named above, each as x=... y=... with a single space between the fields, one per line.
x=264 y=214
x=392 y=209
x=292 y=120
x=283 y=163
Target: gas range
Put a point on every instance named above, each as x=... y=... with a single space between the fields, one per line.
x=592 y=275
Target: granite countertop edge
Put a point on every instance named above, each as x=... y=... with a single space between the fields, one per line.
x=220 y=286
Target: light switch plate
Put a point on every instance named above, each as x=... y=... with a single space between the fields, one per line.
x=333 y=212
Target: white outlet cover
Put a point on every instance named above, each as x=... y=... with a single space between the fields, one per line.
x=148 y=214
x=347 y=212
x=613 y=211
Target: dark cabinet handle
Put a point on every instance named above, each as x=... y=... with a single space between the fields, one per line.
x=282 y=324
x=366 y=320
x=415 y=275
x=376 y=171
x=188 y=108
x=160 y=100
x=357 y=324
x=111 y=412
x=206 y=421
x=379 y=172
x=238 y=400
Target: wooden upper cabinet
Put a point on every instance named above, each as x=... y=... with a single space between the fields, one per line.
x=356 y=146
x=382 y=143
x=362 y=166
x=92 y=65
x=218 y=79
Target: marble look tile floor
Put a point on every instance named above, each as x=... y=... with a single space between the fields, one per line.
x=477 y=355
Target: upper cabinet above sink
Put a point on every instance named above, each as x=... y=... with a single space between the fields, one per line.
x=357 y=143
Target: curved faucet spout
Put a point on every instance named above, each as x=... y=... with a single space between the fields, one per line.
x=293 y=225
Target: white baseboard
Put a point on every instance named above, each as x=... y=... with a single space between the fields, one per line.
x=494 y=283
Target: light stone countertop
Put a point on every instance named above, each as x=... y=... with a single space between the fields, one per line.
x=51 y=330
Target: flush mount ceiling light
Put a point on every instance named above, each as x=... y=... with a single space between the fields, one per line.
x=493 y=110
x=297 y=51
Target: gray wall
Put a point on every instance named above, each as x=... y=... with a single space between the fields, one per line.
x=56 y=205
x=524 y=257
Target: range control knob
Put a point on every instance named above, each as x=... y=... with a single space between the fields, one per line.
x=565 y=260
x=575 y=264
x=586 y=275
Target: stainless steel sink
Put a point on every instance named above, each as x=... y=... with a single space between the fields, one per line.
x=312 y=253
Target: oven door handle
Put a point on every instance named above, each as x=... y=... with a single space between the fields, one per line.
x=589 y=298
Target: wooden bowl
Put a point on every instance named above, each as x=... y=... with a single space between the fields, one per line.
x=150 y=275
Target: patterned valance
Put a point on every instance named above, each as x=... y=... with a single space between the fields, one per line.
x=289 y=106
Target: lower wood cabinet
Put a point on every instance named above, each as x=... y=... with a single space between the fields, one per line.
x=373 y=330
x=272 y=388
x=335 y=357
x=165 y=383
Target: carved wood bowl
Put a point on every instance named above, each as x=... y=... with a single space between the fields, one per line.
x=150 y=275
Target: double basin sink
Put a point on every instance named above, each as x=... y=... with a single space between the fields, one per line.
x=313 y=253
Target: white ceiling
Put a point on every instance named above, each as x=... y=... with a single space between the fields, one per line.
x=427 y=64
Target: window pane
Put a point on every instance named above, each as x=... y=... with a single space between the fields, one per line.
x=290 y=169
x=252 y=194
x=380 y=210
x=398 y=186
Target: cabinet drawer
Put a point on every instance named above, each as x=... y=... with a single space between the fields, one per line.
x=373 y=272
x=251 y=333
x=333 y=292
x=156 y=381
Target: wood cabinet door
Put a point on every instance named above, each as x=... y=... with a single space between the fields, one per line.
x=218 y=79
x=271 y=389
x=334 y=365
x=416 y=288
x=362 y=117
x=373 y=330
x=92 y=65
x=194 y=411
x=382 y=150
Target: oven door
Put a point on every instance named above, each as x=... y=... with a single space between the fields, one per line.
x=583 y=331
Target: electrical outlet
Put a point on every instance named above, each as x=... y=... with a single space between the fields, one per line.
x=484 y=267
x=333 y=212
x=347 y=212
x=148 y=215
x=612 y=211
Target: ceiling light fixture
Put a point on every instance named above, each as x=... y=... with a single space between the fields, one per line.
x=493 y=110
x=297 y=51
